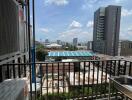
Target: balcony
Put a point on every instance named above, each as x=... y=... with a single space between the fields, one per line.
x=68 y=80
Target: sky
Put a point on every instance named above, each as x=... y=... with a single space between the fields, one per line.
x=67 y=19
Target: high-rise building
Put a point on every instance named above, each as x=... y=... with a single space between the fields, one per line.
x=46 y=40
x=75 y=42
x=59 y=42
x=106 y=30
x=89 y=45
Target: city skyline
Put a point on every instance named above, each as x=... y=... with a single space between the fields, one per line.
x=66 y=19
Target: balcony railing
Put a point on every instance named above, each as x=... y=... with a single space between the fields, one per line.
x=70 y=80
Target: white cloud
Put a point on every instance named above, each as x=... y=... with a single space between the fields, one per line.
x=44 y=30
x=57 y=2
x=75 y=24
x=129 y=32
x=130 y=29
x=89 y=4
x=119 y=1
x=126 y=33
x=90 y=24
x=126 y=12
x=79 y=33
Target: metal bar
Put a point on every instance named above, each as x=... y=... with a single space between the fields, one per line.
x=19 y=72
x=14 y=70
x=58 y=81
x=109 y=89
x=69 y=77
x=63 y=77
x=24 y=66
x=79 y=81
x=118 y=67
x=125 y=65
x=106 y=72
x=102 y=65
x=118 y=73
x=114 y=68
x=74 y=92
x=110 y=68
x=41 y=76
x=1 y=76
x=8 y=72
x=97 y=78
x=88 y=78
x=47 y=80
x=52 y=79
x=130 y=68
x=84 y=79
x=29 y=44
x=33 y=49
x=114 y=74
x=93 y=89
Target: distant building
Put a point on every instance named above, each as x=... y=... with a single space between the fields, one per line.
x=75 y=41
x=59 y=42
x=46 y=40
x=54 y=46
x=89 y=45
x=82 y=47
x=106 y=30
x=125 y=48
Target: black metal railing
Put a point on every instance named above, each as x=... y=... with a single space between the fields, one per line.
x=70 y=80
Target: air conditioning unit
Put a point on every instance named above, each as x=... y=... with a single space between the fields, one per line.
x=14 y=89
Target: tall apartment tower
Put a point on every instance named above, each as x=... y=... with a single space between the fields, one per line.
x=75 y=42
x=106 y=30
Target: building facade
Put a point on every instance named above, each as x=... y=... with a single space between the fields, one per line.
x=14 y=38
x=75 y=41
x=106 y=30
x=59 y=42
x=125 y=48
x=89 y=45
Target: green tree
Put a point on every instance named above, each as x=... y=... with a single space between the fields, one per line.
x=41 y=53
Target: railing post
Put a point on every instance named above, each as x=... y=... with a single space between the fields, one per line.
x=1 y=76
x=58 y=81
x=8 y=71
x=118 y=73
x=41 y=76
x=63 y=77
x=84 y=63
x=24 y=57
x=29 y=44
x=125 y=65
x=14 y=70
x=88 y=78
x=47 y=81
x=130 y=69
x=19 y=72
x=97 y=78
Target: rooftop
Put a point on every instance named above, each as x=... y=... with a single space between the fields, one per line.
x=70 y=54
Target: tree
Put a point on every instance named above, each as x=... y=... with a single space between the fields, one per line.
x=41 y=53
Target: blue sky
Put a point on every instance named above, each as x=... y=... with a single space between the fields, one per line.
x=66 y=19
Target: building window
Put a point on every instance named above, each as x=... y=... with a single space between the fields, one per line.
x=130 y=45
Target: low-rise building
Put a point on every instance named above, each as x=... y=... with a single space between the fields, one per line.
x=125 y=48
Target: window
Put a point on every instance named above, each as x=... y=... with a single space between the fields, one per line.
x=130 y=45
